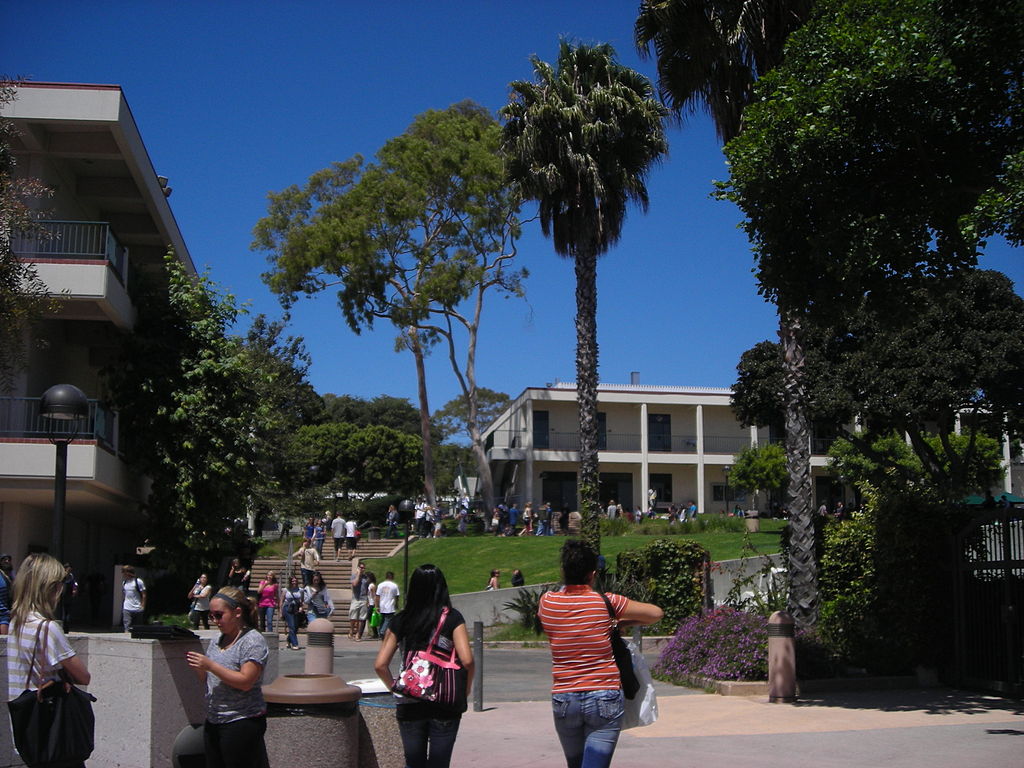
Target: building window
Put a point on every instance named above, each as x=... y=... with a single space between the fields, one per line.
x=659 y=432
x=602 y=431
x=541 y=433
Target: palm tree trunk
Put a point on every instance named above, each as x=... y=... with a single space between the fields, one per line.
x=586 y=396
x=803 y=575
x=428 y=449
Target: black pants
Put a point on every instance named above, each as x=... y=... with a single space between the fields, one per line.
x=238 y=744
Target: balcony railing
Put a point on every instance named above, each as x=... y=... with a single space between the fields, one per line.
x=20 y=418
x=624 y=442
x=726 y=443
x=73 y=240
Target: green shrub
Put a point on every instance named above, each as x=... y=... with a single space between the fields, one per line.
x=668 y=573
x=723 y=644
x=814 y=659
x=526 y=603
x=884 y=585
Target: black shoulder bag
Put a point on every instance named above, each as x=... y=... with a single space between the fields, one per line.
x=623 y=659
x=53 y=726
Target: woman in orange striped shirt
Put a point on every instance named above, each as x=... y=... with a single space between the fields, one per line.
x=586 y=692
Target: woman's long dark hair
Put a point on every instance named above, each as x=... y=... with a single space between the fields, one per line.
x=426 y=596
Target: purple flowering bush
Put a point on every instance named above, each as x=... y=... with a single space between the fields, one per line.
x=724 y=644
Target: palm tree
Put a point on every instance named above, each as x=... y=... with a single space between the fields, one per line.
x=580 y=140
x=709 y=54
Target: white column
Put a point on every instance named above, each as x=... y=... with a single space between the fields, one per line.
x=753 y=437
x=640 y=494
x=528 y=445
x=700 y=458
x=957 y=426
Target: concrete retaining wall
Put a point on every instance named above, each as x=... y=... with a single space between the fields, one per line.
x=489 y=607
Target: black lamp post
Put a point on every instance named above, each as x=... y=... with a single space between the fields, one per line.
x=62 y=405
x=406 y=507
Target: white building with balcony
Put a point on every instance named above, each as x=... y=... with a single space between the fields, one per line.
x=679 y=442
x=108 y=221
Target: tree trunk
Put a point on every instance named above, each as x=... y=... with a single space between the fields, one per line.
x=586 y=396
x=803 y=575
x=469 y=393
x=428 y=448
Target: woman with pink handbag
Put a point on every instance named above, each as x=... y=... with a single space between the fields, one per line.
x=437 y=669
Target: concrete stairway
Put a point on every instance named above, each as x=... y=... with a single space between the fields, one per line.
x=337 y=574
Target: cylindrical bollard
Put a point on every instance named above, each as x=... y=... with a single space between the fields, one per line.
x=317 y=701
x=781 y=658
x=320 y=647
x=753 y=520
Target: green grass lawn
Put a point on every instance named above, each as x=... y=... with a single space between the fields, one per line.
x=467 y=561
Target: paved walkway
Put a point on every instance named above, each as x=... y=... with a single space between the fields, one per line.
x=924 y=728
x=935 y=728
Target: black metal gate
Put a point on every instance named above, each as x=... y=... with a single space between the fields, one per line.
x=989 y=602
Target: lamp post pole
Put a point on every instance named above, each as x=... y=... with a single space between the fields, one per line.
x=60 y=486
x=61 y=403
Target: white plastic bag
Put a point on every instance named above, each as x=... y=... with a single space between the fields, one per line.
x=642 y=709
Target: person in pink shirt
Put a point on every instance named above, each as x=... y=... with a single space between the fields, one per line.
x=269 y=596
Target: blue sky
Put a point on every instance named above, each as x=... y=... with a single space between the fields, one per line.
x=235 y=99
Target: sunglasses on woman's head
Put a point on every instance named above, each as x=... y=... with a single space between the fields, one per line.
x=217 y=615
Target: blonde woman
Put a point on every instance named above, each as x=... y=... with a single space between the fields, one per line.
x=37 y=589
x=236 y=714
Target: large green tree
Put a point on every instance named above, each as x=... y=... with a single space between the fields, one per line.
x=955 y=364
x=184 y=385
x=279 y=366
x=383 y=410
x=580 y=140
x=22 y=293
x=419 y=238
x=710 y=54
x=861 y=166
x=452 y=419
x=359 y=460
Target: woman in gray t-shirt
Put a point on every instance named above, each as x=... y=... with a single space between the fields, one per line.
x=236 y=715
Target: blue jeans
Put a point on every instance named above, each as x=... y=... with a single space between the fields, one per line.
x=419 y=735
x=588 y=725
x=267 y=618
x=292 y=620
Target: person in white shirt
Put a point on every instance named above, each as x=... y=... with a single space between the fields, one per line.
x=386 y=601
x=350 y=538
x=420 y=516
x=134 y=606
x=338 y=533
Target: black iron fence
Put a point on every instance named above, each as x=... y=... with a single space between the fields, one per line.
x=989 y=602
